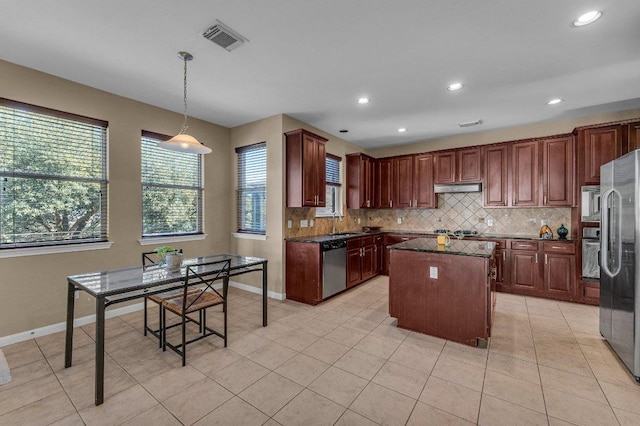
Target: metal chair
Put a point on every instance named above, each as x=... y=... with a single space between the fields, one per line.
x=203 y=275
x=151 y=258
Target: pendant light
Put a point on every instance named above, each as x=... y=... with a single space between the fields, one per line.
x=183 y=142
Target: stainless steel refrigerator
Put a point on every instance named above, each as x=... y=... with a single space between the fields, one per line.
x=619 y=258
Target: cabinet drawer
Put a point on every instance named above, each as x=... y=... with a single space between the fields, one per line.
x=366 y=241
x=500 y=244
x=359 y=242
x=378 y=239
x=553 y=247
x=524 y=245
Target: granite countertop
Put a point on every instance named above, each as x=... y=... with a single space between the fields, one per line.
x=457 y=247
x=337 y=237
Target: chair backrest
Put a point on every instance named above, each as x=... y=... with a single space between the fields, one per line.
x=205 y=275
x=151 y=257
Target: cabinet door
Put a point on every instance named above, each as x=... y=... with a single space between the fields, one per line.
x=502 y=270
x=496 y=165
x=525 y=174
x=383 y=188
x=600 y=146
x=423 y=194
x=321 y=174
x=525 y=272
x=379 y=254
x=313 y=172
x=559 y=275
x=368 y=262
x=367 y=182
x=557 y=172
x=633 y=137
x=354 y=263
x=444 y=167
x=403 y=182
x=468 y=163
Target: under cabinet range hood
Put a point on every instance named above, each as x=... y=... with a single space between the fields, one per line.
x=457 y=187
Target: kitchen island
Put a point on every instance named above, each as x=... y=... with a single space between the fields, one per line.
x=446 y=292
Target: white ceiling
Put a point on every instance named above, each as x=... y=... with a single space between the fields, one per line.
x=311 y=59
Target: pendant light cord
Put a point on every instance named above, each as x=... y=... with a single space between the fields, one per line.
x=184 y=124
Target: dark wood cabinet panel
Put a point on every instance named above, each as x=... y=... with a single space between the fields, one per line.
x=423 y=194
x=558 y=161
x=305 y=169
x=469 y=165
x=303 y=272
x=559 y=275
x=600 y=145
x=361 y=260
x=403 y=182
x=633 y=137
x=525 y=174
x=525 y=271
x=379 y=254
x=383 y=188
x=496 y=167
x=360 y=181
x=444 y=167
x=368 y=262
x=354 y=267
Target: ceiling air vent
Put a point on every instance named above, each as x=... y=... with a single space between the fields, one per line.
x=224 y=36
x=470 y=123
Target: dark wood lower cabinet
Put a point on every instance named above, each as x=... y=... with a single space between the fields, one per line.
x=361 y=260
x=559 y=275
x=304 y=272
x=525 y=272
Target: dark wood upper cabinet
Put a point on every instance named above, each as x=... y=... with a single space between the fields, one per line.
x=599 y=146
x=383 y=188
x=403 y=182
x=444 y=167
x=558 y=161
x=423 y=194
x=633 y=136
x=306 y=172
x=457 y=166
x=525 y=174
x=360 y=181
x=496 y=173
x=469 y=165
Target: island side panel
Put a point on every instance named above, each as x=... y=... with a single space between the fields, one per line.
x=455 y=306
x=304 y=272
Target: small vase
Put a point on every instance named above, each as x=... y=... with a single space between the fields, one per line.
x=562 y=232
x=173 y=261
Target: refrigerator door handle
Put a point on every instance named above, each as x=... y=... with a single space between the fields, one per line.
x=605 y=234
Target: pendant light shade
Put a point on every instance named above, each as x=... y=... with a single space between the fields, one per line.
x=183 y=142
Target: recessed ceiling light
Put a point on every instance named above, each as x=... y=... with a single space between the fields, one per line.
x=587 y=18
x=363 y=101
x=470 y=123
x=402 y=130
x=455 y=86
x=554 y=101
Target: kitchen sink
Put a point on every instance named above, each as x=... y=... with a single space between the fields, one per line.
x=344 y=234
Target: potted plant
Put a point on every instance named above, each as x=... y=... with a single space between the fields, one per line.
x=163 y=251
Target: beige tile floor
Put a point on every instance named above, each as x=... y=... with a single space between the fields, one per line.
x=343 y=362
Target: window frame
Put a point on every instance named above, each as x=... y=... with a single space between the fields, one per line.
x=68 y=244
x=323 y=211
x=239 y=190
x=169 y=236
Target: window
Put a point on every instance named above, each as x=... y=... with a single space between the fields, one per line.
x=333 y=193
x=53 y=182
x=252 y=188
x=171 y=189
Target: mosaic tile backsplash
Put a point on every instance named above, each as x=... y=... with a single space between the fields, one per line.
x=455 y=211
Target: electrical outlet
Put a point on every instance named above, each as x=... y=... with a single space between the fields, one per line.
x=304 y=223
x=490 y=222
x=289 y=223
x=433 y=272
x=543 y=222
x=532 y=220
x=358 y=221
x=399 y=221
x=311 y=222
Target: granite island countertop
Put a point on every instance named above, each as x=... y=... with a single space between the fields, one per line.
x=457 y=247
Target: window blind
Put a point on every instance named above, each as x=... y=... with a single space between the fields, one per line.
x=251 y=205
x=172 y=188
x=53 y=179
x=332 y=187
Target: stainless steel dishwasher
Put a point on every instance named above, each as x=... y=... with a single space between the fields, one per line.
x=334 y=267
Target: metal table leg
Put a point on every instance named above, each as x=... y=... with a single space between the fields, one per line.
x=68 y=346
x=264 y=294
x=99 y=350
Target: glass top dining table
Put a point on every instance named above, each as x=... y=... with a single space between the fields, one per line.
x=120 y=285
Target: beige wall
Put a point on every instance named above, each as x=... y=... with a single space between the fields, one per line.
x=547 y=128
x=33 y=288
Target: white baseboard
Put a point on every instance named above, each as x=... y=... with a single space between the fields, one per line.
x=78 y=322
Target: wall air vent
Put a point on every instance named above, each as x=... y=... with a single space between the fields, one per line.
x=224 y=36
x=470 y=123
